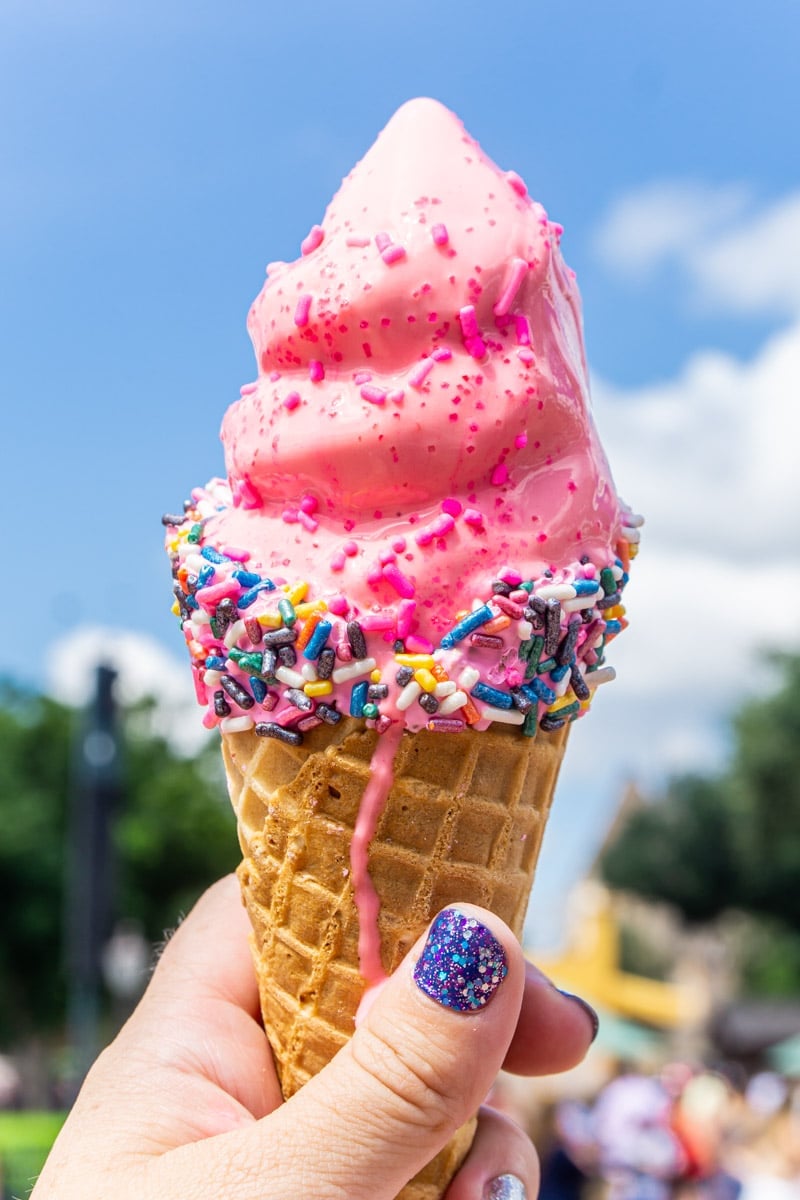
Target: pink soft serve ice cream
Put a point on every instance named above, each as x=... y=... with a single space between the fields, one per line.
x=419 y=525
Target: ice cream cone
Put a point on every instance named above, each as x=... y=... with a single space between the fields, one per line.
x=463 y=821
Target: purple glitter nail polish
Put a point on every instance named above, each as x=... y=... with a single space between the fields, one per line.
x=462 y=964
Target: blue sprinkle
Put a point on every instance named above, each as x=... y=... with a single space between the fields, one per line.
x=613 y=627
x=247 y=598
x=213 y=556
x=258 y=688
x=558 y=673
x=537 y=689
x=493 y=696
x=191 y=602
x=476 y=618
x=358 y=697
x=247 y=579
x=316 y=643
x=205 y=575
x=215 y=663
x=586 y=587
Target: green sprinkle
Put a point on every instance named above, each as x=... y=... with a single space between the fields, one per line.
x=531 y=723
x=195 y=534
x=371 y=711
x=286 y=609
x=607 y=581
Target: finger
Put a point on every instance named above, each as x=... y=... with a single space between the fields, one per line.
x=502 y=1164
x=197 y=1024
x=554 y=1031
x=417 y=1068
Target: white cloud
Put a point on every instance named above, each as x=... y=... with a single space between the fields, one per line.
x=144 y=669
x=737 y=257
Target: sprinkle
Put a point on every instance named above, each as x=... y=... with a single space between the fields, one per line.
x=537 y=690
x=493 y=696
x=238 y=694
x=419 y=373
x=473 y=516
x=411 y=692
x=522 y=329
x=578 y=683
x=258 y=688
x=419 y=645
x=415 y=661
x=468 y=322
x=247 y=598
x=317 y=641
x=356 y=240
x=443 y=725
x=404 y=676
x=247 y=579
x=236 y=724
x=497 y=624
x=468 y=678
x=452 y=507
x=309 y=722
x=280 y=637
x=505 y=716
x=291 y=401
x=518 y=271
x=600 y=675
x=479 y=616
x=499 y=475
x=566 y=650
x=289 y=677
x=487 y=641
x=316 y=371
x=377 y=691
x=425 y=679
x=221 y=706
x=361 y=666
x=302 y=310
x=405 y=616
x=516 y=611
x=312 y=239
x=358 y=698
x=393 y=254
x=556 y=591
x=355 y=636
x=395 y=395
x=213 y=556
x=517 y=183
x=552 y=626
x=383 y=240
x=377 y=622
x=329 y=714
x=400 y=582
x=452 y=703
x=370 y=711
x=326 y=663
x=428 y=703
x=286 y=609
x=273 y=730
x=373 y=394
x=440 y=235
x=307 y=632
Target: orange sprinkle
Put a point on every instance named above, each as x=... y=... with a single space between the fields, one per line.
x=469 y=712
x=309 y=625
x=438 y=672
x=496 y=625
x=624 y=553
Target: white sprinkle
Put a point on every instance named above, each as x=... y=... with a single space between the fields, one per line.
x=446 y=688
x=506 y=716
x=201 y=617
x=235 y=631
x=556 y=591
x=580 y=602
x=617 y=572
x=562 y=686
x=211 y=677
x=524 y=630
x=631 y=535
x=601 y=675
x=408 y=695
x=194 y=562
x=361 y=666
x=468 y=678
x=290 y=678
x=309 y=672
x=453 y=702
x=236 y=724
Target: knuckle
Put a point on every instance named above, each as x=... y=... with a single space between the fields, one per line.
x=414 y=1082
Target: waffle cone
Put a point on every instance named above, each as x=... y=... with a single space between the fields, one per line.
x=463 y=821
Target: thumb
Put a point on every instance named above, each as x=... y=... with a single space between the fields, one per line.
x=419 y=1065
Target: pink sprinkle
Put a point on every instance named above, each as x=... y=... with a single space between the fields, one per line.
x=316 y=371
x=288 y=715
x=588 y=570
x=338 y=605
x=521 y=440
x=337 y=562
x=424 y=536
x=350 y=549
x=440 y=235
x=344 y=651
x=209 y=718
x=393 y=254
x=308 y=522
x=356 y=240
x=452 y=506
x=245 y=495
x=510 y=576
x=386 y=556
x=312 y=239
x=302 y=310
x=523 y=329
x=373 y=622
x=210 y=596
x=290 y=516
x=499 y=475
x=235 y=552
x=247 y=389
x=525 y=355
x=514 y=677
x=517 y=183
x=476 y=347
x=515 y=611
x=362 y=377
x=399 y=545
x=419 y=645
x=375 y=395
x=468 y=321
x=473 y=517
x=405 y=615
x=395 y=395
x=518 y=271
x=375 y=574
x=519 y=596
x=400 y=582
x=309 y=503
x=541 y=537
x=274 y=376
x=441 y=354
x=292 y=400
x=442 y=525
x=382 y=241
x=419 y=373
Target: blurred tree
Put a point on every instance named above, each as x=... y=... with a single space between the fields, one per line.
x=175 y=834
x=731 y=841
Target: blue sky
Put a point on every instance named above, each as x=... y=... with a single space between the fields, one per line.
x=154 y=157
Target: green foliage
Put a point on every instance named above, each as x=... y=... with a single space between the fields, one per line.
x=174 y=834
x=709 y=845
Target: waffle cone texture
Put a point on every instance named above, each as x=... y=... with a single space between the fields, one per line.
x=463 y=821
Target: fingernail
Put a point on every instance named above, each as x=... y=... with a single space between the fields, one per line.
x=505 y=1187
x=587 y=1008
x=462 y=963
